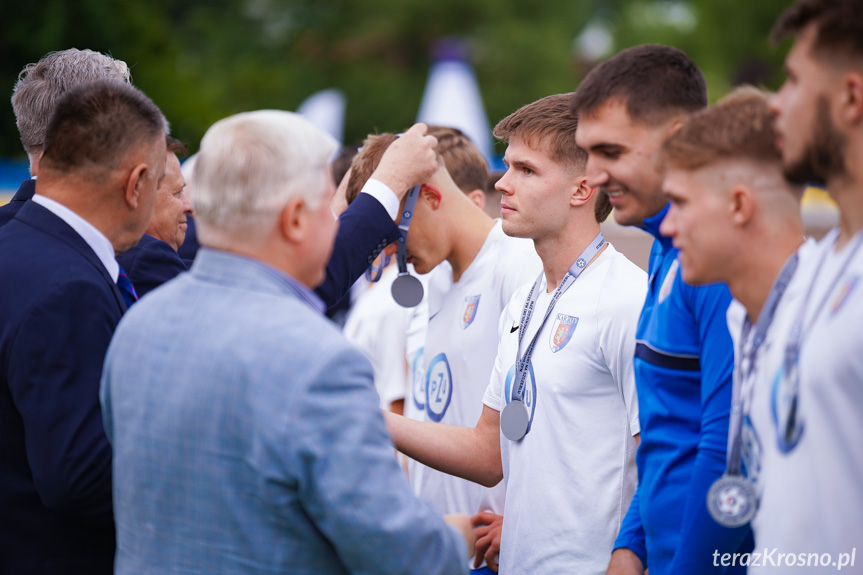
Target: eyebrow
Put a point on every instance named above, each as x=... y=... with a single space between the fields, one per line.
x=520 y=164
x=607 y=147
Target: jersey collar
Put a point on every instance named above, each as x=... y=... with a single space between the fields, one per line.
x=651 y=226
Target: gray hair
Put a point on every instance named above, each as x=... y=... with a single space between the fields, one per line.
x=42 y=84
x=250 y=166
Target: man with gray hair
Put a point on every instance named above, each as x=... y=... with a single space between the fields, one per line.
x=246 y=430
x=36 y=93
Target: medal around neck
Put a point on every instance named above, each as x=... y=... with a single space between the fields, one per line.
x=731 y=501
x=514 y=420
x=407 y=290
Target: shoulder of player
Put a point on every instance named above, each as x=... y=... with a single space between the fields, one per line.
x=623 y=284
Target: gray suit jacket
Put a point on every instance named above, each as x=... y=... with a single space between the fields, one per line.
x=247 y=438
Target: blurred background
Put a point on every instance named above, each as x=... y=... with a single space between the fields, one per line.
x=201 y=60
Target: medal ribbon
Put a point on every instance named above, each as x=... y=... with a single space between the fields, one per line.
x=742 y=387
x=523 y=361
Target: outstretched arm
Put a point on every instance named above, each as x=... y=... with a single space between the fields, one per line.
x=472 y=453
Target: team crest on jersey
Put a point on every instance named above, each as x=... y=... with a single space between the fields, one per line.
x=843 y=293
x=561 y=331
x=471 y=303
x=668 y=282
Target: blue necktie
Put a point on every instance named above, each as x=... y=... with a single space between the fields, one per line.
x=126 y=288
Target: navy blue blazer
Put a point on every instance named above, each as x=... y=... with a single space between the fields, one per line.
x=190 y=246
x=365 y=229
x=150 y=264
x=58 y=311
x=24 y=193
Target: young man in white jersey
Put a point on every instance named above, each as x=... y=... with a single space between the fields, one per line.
x=816 y=395
x=570 y=469
x=477 y=268
x=736 y=219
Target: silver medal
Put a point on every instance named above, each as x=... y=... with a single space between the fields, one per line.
x=514 y=420
x=407 y=290
x=731 y=501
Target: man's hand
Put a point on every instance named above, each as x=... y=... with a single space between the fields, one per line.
x=409 y=161
x=461 y=522
x=487 y=527
x=624 y=562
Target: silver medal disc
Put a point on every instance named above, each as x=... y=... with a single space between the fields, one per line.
x=514 y=420
x=731 y=501
x=407 y=290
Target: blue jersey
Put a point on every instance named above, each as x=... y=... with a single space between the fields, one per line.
x=684 y=359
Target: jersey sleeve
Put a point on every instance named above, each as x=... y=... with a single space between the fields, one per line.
x=701 y=536
x=619 y=307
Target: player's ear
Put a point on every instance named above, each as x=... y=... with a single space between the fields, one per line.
x=581 y=192
x=431 y=196
x=741 y=204
x=477 y=197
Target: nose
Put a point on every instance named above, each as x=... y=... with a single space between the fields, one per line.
x=503 y=184
x=595 y=172
x=187 y=205
x=668 y=227
x=390 y=250
x=774 y=102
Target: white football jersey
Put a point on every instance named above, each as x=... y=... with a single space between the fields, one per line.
x=810 y=475
x=569 y=481
x=459 y=352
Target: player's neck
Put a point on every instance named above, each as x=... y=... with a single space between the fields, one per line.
x=759 y=267
x=469 y=230
x=559 y=251
x=847 y=192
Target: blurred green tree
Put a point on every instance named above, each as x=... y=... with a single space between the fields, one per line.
x=201 y=60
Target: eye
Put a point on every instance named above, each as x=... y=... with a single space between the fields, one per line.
x=527 y=171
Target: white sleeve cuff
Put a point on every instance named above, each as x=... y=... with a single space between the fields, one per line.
x=382 y=193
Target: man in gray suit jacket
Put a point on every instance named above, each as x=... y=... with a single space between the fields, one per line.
x=246 y=432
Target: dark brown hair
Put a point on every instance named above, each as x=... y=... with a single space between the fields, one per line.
x=97 y=124
x=656 y=82
x=549 y=122
x=176 y=146
x=738 y=126
x=838 y=25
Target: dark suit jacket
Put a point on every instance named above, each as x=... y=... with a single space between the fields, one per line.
x=24 y=193
x=150 y=264
x=58 y=311
x=190 y=246
x=365 y=229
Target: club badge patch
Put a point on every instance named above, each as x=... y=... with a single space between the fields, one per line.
x=843 y=293
x=438 y=390
x=471 y=303
x=668 y=282
x=561 y=331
